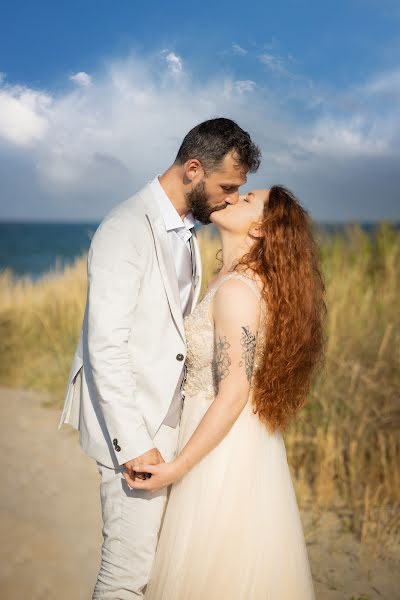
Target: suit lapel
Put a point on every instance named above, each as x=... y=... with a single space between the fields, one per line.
x=164 y=257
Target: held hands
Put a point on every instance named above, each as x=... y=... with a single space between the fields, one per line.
x=133 y=468
x=162 y=475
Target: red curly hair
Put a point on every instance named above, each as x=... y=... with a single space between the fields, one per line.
x=286 y=260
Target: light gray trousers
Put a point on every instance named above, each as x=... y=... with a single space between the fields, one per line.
x=131 y=524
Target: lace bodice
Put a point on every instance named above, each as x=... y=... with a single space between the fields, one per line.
x=199 y=330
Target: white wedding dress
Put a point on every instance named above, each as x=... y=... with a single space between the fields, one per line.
x=232 y=528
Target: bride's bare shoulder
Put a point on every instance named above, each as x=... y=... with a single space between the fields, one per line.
x=250 y=274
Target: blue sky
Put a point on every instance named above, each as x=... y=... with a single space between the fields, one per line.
x=96 y=96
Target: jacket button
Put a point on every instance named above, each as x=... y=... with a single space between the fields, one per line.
x=115 y=442
x=179 y=357
x=117 y=448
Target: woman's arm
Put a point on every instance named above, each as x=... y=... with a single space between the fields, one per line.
x=235 y=312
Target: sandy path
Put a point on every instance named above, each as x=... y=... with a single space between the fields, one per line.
x=50 y=517
x=51 y=528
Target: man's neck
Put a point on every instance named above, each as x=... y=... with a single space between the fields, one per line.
x=171 y=182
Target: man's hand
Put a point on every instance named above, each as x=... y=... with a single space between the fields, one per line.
x=162 y=475
x=151 y=457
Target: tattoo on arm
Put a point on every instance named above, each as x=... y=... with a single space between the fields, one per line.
x=248 y=342
x=222 y=361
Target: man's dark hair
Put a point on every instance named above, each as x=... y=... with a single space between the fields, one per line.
x=212 y=140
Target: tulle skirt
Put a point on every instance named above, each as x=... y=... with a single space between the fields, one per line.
x=232 y=528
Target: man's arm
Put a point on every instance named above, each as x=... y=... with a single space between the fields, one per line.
x=114 y=278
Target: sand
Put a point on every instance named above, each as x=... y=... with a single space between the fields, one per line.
x=51 y=526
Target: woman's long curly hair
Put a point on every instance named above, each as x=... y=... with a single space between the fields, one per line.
x=286 y=260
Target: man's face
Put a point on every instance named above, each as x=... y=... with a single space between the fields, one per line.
x=217 y=190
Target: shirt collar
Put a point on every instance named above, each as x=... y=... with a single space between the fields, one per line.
x=168 y=211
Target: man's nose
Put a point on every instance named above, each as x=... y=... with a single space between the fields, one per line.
x=232 y=198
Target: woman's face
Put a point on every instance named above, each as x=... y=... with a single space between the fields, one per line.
x=240 y=217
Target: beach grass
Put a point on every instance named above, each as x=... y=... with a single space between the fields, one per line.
x=344 y=446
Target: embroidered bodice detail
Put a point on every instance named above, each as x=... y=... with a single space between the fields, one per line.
x=199 y=330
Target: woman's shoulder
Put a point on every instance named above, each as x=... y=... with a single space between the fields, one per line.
x=250 y=278
x=233 y=282
x=236 y=293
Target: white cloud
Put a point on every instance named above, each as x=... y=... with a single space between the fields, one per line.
x=245 y=86
x=387 y=82
x=81 y=79
x=363 y=121
x=174 y=63
x=24 y=114
x=238 y=50
x=122 y=126
x=82 y=151
x=274 y=63
x=351 y=137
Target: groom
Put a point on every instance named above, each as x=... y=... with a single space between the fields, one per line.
x=124 y=390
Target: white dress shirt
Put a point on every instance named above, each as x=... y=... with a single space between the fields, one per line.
x=180 y=239
x=179 y=235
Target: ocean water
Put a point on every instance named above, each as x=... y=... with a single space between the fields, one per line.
x=35 y=248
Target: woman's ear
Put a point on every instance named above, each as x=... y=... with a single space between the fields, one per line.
x=256 y=230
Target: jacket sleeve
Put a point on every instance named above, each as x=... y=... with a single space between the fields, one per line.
x=114 y=279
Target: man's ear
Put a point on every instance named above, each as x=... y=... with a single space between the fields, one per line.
x=193 y=169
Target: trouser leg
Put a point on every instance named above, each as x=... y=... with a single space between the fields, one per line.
x=131 y=524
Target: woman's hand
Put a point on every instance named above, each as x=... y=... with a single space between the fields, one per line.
x=162 y=475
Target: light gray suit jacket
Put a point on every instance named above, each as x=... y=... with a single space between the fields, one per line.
x=132 y=345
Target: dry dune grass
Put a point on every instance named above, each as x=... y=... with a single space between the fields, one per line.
x=344 y=447
x=39 y=326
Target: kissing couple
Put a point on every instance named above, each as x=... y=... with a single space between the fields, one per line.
x=182 y=403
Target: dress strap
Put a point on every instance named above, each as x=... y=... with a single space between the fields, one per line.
x=250 y=282
x=235 y=275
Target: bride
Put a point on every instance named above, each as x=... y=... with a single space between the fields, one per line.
x=232 y=528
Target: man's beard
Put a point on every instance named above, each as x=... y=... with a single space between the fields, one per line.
x=198 y=203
